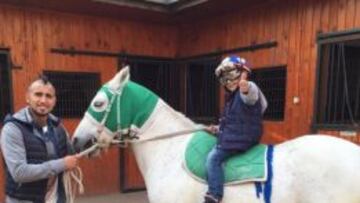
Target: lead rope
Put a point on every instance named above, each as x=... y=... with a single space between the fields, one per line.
x=122 y=143
x=73 y=180
x=73 y=184
x=162 y=136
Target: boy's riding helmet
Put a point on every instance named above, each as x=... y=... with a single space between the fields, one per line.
x=230 y=69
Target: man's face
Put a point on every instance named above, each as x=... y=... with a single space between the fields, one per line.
x=41 y=98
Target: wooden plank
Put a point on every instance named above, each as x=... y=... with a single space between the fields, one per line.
x=133 y=179
x=341 y=14
x=357 y=14
x=283 y=34
x=278 y=15
x=267 y=34
x=292 y=81
x=333 y=16
x=350 y=10
x=263 y=56
x=2 y=31
x=325 y=13
x=296 y=69
x=305 y=68
x=316 y=27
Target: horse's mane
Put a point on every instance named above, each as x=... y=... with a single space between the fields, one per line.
x=179 y=116
x=164 y=106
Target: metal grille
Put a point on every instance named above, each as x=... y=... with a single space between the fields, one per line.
x=74 y=92
x=160 y=76
x=202 y=90
x=5 y=90
x=272 y=82
x=338 y=99
x=165 y=78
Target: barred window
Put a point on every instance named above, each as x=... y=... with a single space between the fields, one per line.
x=74 y=92
x=188 y=86
x=338 y=95
x=202 y=95
x=160 y=76
x=5 y=83
x=272 y=82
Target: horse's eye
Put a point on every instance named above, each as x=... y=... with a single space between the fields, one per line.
x=98 y=104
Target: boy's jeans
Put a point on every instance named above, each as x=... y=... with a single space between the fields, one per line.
x=215 y=172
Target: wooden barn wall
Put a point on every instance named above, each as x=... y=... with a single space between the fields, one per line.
x=294 y=25
x=30 y=34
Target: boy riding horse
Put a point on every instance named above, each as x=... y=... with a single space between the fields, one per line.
x=240 y=126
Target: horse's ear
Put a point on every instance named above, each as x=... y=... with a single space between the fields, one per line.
x=121 y=78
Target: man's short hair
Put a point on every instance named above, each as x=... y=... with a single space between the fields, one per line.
x=42 y=79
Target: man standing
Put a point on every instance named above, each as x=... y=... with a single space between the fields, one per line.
x=36 y=149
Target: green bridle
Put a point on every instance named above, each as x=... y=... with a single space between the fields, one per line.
x=114 y=95
x=135 y=102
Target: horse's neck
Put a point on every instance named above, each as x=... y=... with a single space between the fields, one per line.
x=162 y=153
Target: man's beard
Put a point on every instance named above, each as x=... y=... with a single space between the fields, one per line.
x=40 y=113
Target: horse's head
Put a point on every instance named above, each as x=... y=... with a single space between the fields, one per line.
x=117 y=106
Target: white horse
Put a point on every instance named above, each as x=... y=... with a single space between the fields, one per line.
x=309 y=169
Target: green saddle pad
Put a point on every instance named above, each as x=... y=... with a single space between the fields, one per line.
x=250 y=166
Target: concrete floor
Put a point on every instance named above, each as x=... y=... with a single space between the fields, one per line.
x=132 y=197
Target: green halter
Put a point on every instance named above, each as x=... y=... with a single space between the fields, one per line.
x=136 y=102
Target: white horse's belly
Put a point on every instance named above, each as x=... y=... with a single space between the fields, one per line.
x=174 y=186
x=185 y=189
